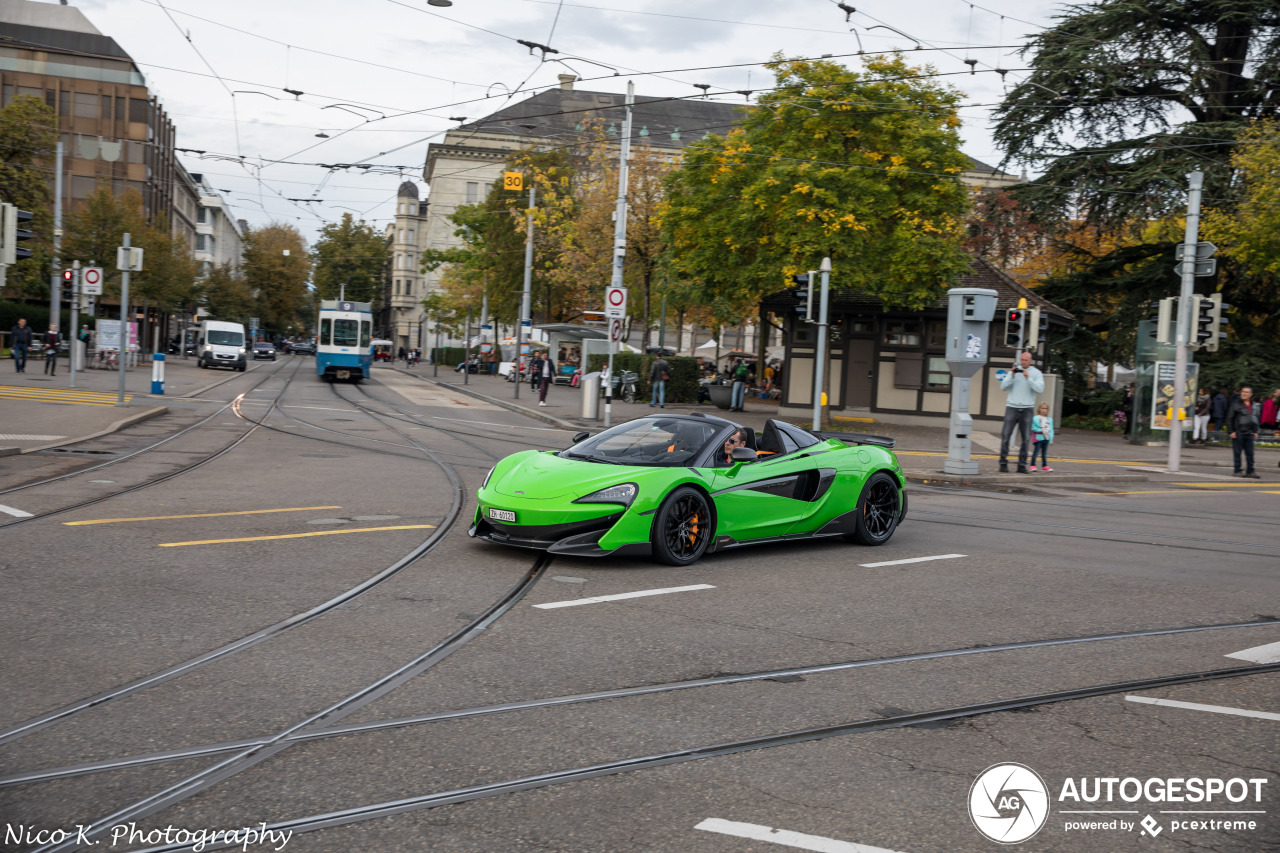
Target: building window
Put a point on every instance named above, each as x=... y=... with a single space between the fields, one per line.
x=82 y=187
x=902 y=333
x=137 y=151
x=906 y=370
x=107 y=107
x=473 y=192
x=137 y=111
x=410 y=235
x=86 y=105
x=939 y=376
x=120 y=108
x=937 y=334
x=202 y=215
x=802 y=334
x=204 y=243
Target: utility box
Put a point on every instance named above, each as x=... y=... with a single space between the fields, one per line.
x=970 y=311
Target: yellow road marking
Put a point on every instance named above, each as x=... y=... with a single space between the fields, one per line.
x=297 y=535
x=83 y=398
x=195 y=515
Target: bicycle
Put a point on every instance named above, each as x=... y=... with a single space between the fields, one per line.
x=106 y=360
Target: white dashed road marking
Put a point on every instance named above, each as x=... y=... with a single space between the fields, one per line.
x=1196 y=706
x=1270 y=653
x=786 y=837
x=912 y=560
x=8 y=510
x=623 y=595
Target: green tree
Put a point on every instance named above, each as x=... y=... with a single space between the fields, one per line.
x=226 y=295
x=1122 y=101
x=277 y=269
x=861 y=166
x=351 y=253
x=28 y=137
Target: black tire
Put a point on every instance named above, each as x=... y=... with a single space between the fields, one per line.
x=200 y=362
x=629 y=396
x=682 y=527
x=879 y=508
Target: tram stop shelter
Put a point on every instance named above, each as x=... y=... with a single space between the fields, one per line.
x=570 y=344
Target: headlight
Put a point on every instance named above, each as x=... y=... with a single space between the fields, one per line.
x=621 y=494
x=488 y=476
x=241 y=349
x=208 y=348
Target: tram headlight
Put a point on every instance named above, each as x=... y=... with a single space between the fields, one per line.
x=623 y=493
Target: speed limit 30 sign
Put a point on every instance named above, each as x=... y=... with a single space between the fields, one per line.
x=615 y=302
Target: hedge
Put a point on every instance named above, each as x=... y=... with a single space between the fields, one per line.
x=682 y=387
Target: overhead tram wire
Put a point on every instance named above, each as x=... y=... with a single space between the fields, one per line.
x=234 y=112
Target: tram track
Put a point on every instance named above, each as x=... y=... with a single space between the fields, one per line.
x=203 y=460
x=682 y=756
x=209 y=750
x=66 y=712
x=256 y=754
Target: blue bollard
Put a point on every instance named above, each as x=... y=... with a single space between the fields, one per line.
x=157 y=373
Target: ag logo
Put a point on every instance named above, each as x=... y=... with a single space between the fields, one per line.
x=1008 y=803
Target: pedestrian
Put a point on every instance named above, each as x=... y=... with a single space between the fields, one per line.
x=1200 y=431
x=1271 y=411
x=1242 y=424
x=1218 y=410
x=546 y=372
x=738 y=396
x=19 y=344
x=1023 y=383
x=1042 y=435
x=659 y=373
x=493 y=361
x=51 y=339
x=768 y=381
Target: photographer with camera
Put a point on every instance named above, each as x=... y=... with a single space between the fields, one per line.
x=1023 y=383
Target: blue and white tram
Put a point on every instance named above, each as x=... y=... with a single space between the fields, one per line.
x=343 y=340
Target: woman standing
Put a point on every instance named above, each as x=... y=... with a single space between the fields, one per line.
x=1200 y=431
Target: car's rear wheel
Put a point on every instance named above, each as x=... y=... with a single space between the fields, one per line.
x=879 y=507
x=682 y=527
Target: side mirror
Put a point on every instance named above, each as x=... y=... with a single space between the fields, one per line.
x=743 y=454
x=580 y=436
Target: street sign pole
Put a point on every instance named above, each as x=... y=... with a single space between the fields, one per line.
x=124 y=319
x=524 y=319
x=1182 y=338
x=73 y=333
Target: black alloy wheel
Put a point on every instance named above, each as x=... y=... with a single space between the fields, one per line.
x=879 y=508
x=683 y=527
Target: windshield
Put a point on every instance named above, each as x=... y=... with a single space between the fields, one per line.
x=226 y=338
x=346 y=333
x=660 y=442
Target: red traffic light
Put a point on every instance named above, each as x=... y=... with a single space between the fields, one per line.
x=67 y=275
x=1014 y=315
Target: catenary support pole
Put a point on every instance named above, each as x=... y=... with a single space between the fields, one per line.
x=73 y=333
x=1182 y=339
x=55 y=283
x=619 y=239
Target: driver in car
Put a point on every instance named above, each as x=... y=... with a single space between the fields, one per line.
x=737 y=439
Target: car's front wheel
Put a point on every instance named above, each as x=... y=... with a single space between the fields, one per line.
x=682 y=527
x=879 y=508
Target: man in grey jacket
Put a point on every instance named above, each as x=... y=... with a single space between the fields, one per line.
x=658 y=375
x=1242 y=425
x=1023 y=383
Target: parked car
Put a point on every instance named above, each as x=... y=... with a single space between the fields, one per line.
x=303 y=347
x=264 y=350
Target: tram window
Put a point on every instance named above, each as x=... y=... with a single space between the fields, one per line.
x=365 y=335
x=325 y=331
x=346 y=333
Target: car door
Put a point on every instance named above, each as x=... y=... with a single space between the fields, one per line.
x=768 y=497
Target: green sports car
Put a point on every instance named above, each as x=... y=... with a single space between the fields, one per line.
x=678 y=486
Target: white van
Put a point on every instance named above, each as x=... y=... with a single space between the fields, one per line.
x=221 y=345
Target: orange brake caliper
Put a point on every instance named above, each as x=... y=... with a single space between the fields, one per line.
x=693 y=530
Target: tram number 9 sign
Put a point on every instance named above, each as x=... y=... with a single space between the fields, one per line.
x=513 y=181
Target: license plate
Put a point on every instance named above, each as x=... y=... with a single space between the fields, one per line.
x=502 y=515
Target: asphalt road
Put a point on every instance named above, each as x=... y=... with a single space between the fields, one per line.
x=330 y=499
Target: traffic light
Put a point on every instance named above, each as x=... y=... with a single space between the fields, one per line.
x=68 y=284
x=803 y=292
x=1164 y=320
x=1014 y=321
x=1034 y=328
x=1207 y=314
x=12 y=225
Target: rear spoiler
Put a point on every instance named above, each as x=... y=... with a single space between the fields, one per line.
x=858 y=438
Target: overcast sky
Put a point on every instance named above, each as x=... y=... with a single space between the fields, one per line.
x=402 y=68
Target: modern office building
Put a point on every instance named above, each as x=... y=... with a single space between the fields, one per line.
x=113 y=128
